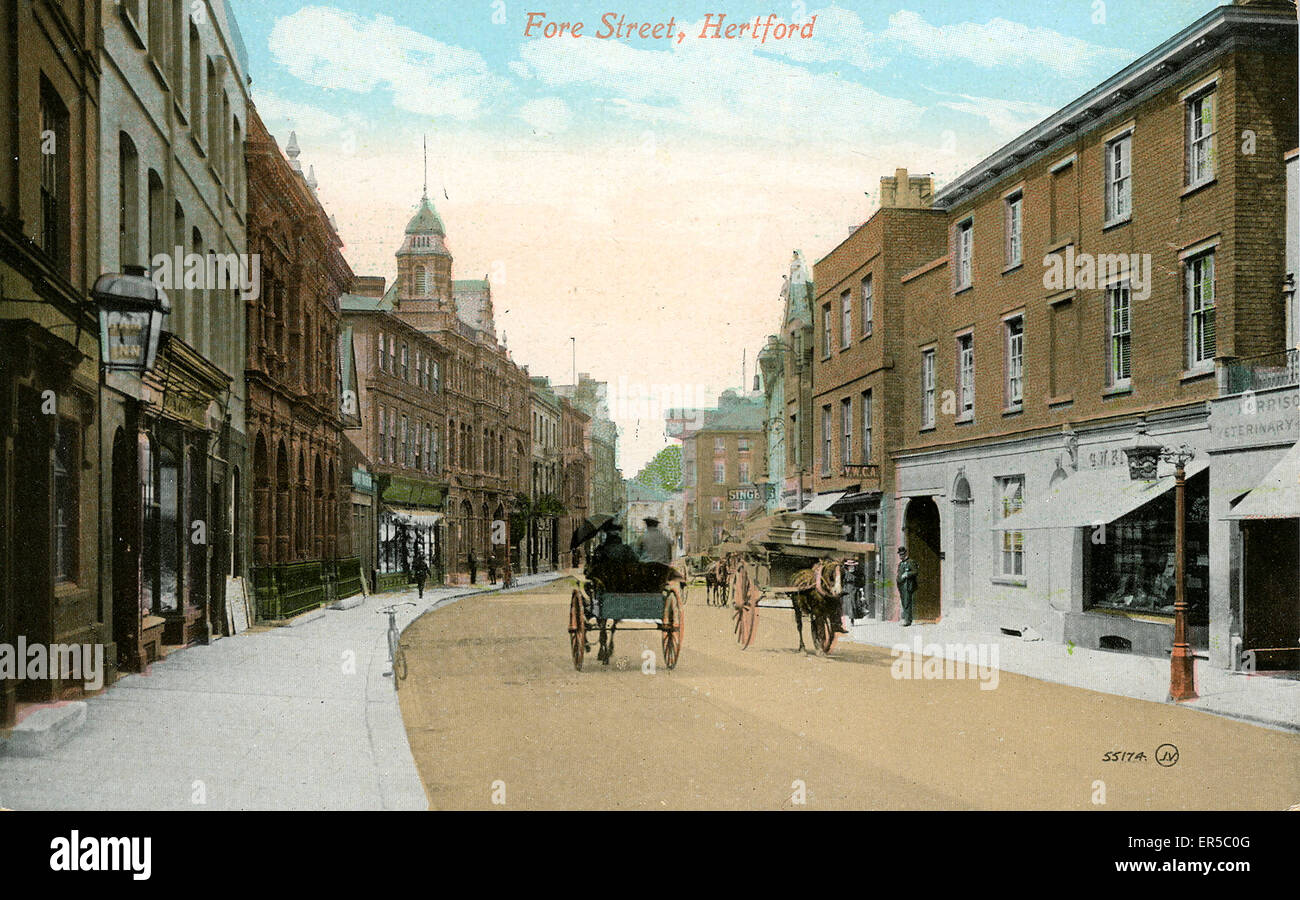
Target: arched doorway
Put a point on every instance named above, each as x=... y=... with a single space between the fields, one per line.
x=961 y=540
x=126 y=553
x=921 y=532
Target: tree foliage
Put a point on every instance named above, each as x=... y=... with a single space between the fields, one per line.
x=664 y=471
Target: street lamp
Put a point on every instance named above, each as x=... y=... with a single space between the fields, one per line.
x=1143 y=457
x=131 y=310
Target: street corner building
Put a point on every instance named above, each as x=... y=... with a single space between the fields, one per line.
x=986 y=355
x=442 y=437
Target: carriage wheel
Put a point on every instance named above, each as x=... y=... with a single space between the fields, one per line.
x=823 y=634
x=673 y=627
x=577 y=630
x=746 y=624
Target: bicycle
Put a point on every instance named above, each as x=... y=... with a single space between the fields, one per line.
x=396 y=655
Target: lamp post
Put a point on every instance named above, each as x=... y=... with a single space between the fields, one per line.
x=131 y=310
x=1143 y=457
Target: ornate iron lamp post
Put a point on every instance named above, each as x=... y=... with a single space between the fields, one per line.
x=131 y=310
x=1143 y=457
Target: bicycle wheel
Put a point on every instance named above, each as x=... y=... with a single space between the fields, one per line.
x=399 y=666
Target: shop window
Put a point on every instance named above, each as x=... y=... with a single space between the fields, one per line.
x=1012 y=556
x=1129 y=564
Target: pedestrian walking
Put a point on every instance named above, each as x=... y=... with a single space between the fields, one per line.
x=492 y=569
x=473 y=568
x=420 y=570
x=906 y=584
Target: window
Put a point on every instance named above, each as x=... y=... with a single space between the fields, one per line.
x=717 y=534
x=868 y=306
x=867 y=413
x=67 y=475
x=196 y=84
x=1200 y=138
x=846 y=431
x=1015 y=328
x=719 y=445
x=965 y=377
x=744 y=473
x=927 y=389
x=719 y=472
x=826 y=331
x=128 y=199
x=742 y=445
x=392 y=435
x=1062 y=200
x=826 y=440
x=419 y=369
x=419 y=445
x=383 y=432
x=437 y=377
x=846 y=320
x=1119 y=178
x=1118 y=332
x=1011 y=218
x=406 y=367
x=965 y=246
x=55 y=224
x=1199 y=279
x=435 y=439
x=1012 y=492
x=717 y=504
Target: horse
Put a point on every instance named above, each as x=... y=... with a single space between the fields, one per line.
x=715 y=583
x=818 y=597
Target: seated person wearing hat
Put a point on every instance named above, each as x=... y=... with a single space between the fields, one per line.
x=655 y=545
x=610 y=553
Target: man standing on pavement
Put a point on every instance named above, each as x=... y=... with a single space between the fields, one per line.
x=655 y=546
x=906 y=584
x=420 y=571
x=473 y=568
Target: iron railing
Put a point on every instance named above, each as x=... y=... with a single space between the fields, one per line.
x=1260 y=373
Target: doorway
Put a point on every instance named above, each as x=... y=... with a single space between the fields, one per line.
x=1271 y=597
x=921 y=527
x=126 y=553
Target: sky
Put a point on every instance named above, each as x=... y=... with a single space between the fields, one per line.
x=643 y=197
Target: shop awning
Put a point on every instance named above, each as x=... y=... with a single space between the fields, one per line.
x=1092 y=497
x=822 y=502
x=414 y=492
x=423 y=517
x=1277 y=496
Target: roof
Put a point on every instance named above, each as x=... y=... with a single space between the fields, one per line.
x=358 y=303
x=1109 y=99
x=470 y=284
x=637 y=492
x=747 y=416
x=426 y=220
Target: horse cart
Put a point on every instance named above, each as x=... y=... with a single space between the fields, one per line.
x=797 y=558
x=646 y=594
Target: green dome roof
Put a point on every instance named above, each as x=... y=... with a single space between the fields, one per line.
x=426 y=220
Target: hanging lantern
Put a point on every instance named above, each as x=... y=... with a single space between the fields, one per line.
x=131 y=310
x=1143 y=456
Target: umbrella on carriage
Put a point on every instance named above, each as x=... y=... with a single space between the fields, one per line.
x=588 y=529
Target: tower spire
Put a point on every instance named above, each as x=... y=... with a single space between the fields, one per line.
x=426 y=167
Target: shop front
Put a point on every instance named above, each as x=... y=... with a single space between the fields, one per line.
x=410 y=523
x=175 y=512
x=1255 y=531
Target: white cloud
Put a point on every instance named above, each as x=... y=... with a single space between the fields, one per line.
x=276 y=111
x=547 y=115
x=1000 y=42
x=333 y=49
x=727 y=90
x=1007 y=118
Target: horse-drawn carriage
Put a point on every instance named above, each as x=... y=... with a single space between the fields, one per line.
x=616 y=592
x=798 y=557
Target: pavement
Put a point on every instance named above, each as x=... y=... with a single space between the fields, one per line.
x=300 y=718
x=1262 y=699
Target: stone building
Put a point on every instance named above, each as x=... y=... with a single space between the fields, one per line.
x=53 y=580
x=293 y=380
x=173 y=195
x=591 y=396
x=575 y=439
x=545 y=481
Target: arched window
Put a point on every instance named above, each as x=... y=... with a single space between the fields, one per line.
x=421 y=281
x=196 y=84
x=128 y=198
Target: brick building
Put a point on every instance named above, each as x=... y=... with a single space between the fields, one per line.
x=486 y=395
x=1104 y=271
x=859 y=341
x=575 y=455
x=294 y=399
x=726 y=456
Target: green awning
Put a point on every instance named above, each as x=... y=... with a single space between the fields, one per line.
x=415 y=492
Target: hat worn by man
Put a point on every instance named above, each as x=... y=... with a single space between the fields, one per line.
x=652 y=521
